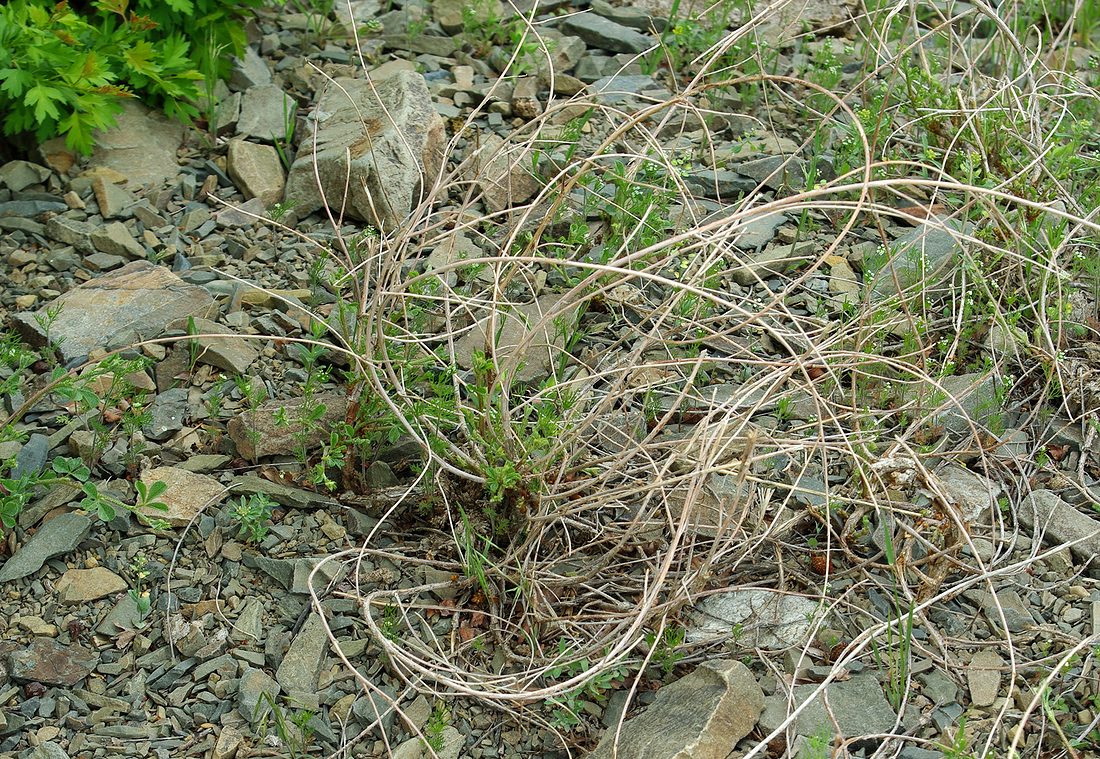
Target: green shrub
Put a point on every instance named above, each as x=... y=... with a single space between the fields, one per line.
x=64 y=69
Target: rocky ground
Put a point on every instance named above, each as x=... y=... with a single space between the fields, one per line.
x=206 y=256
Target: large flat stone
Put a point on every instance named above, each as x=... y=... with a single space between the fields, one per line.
x=302 y=663
x=232 y=353
x=187 y=495
x=257 y=433
x=1046 y=515
x=393 y=137
x=48 y=662
x=142 y=146
x=116 y=309
x=56 y=537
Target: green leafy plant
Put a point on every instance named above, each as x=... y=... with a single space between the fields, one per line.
x=65 y=70
x=251 y=515
x=666 y=649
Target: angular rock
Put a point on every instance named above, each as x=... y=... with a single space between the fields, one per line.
x=228 y=743
x=292 y=498
x=530 y=335
x=115 y=239
x=302 y=663
x=141 y=146
x=117 y=309
x=267 y=113
x=47 y=750
x=394 y=150
x=18 y=175
x=58 y=536
x=857 y=705
x=250 y=689
x=28 y=209
x=233 y=354
x=71 y=232
x=113 y=201
x=166 y=414
x=773 y=260
x=923 y=258
x=759 y=231
x=249 y=71
x=503 y=171
x=606 y=34
x=969 y=398
x=974 y=494
x=1047 y=516
x=700 y=716
x=257 y=171
x=765 y=619
x=983 y=677
x=452 y=15
x=187 y=495
x=46 y=661
x=775 y=171
x=79 y=585
x=257 y=433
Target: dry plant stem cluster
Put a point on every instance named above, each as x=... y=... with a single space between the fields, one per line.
x=598 y=510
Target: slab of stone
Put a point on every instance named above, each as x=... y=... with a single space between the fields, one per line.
x=605 y=34
x=116 y=310
x=1045 y=515
x=232 y=353
x=393 y=149
x=775 y=171
x=757 y=232
x=983 y=677
x=765 y=619
x=187 y=494
x=141 y=146
x=292 y=498
x=250 y=689
x=47 y=750
x=19 y=175
x=256 y=433
x=265 y=111
x=125 y=615
x=972 y=493
x=15 y=212
x=771 y=261
x=301 y=666
x=80 y=585
x=71 y=232
x=503 y=172
x=228 y=743
x=523 y=334
x=969 y=398
x=56 y=537
x=166 y=414
x=248 y=71
x=858 y=706
x=46 y=661
x=923 y=258
x=700 y=716
x=116 y=240
x=257 y=171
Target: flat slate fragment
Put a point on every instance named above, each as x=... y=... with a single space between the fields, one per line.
x=46 y=661
x=56 y=537
x=116 y=310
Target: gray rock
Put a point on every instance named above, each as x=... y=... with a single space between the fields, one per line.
x=983 y=677
x=141 y=146
x=1047 y=516
x=937 y=687
x=619 y=89
x=244 y=215
x=31 y=458
x=974 y=494
x=251 y=687
x=167 y=412
x=642 y=19
x=123 y=616
x=187 y=494
x=394 y=149
x=528 y=339
x=720 y=184
x=452 y=15
x=103 y=262
x=228 y=743
x=249 y=627
x=232 y=353
x=71 y=232
x=257 y=171
x=28 y=209
x=117 y=309
x=249 y=71
x=374 y=705
x=772 y=260
x=302 y=663
x=115 y=239
x=1017 y=615
x=969 y=398
x=759 y=231
x=857 y=705
x=49 y=662
x=700 y=716
x=606 y=34
x=924 y=257
x=763 y=618
x=775 y=171
x=58 y=536
x=47 y=750
x=18 y=175
x=266 y=112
